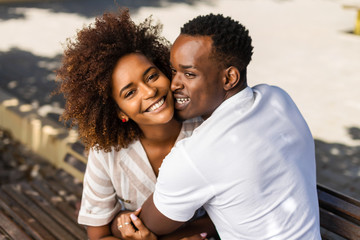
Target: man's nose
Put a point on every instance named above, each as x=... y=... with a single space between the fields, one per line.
x=176 y=83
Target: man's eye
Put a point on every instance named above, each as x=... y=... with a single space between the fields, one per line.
x=129 y=93
x=189 y=75
x=173 y=71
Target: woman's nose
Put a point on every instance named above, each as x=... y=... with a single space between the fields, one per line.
x=149 y=91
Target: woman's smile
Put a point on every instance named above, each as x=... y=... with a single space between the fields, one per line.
x=156 y=106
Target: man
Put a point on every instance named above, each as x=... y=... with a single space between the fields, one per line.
x=251 y=164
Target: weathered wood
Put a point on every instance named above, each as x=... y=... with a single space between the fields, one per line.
x=328 y=235
x=15 y=191
x=23 y=218
x=339 y=214
x=11 y=228
x=52 y=211
x=69 y=182
x=56 y=200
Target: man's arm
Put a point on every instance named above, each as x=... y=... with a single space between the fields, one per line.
x=155 y=221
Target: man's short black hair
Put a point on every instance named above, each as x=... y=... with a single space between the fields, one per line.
x=231 y=40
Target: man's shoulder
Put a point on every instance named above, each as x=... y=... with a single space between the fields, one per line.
x=266 y=88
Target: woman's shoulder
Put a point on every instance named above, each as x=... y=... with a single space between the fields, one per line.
x=114 y=154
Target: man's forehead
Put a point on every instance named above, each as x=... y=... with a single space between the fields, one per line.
x=190 y=49
x=187 y=41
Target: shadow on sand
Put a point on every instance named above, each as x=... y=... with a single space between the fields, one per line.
x=338 y=165
x=87 y=8
x=31 y=79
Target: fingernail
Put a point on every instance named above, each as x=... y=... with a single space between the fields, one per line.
x=138 y=209
x=133 y=217
x=203 y=234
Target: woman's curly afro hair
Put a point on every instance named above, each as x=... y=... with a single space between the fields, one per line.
x=231 y=40
x=86 y=75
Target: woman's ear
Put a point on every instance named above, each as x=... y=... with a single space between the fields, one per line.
x=122 y=116
x=231 y=78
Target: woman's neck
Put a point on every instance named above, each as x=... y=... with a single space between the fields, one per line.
x=157 y=142
x=163 y=134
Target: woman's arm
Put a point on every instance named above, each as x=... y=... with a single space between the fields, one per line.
x=190 y=230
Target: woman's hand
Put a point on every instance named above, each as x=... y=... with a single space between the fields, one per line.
x=201 y=236
x=131 y=227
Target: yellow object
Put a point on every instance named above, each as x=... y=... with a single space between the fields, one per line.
x=357 y=23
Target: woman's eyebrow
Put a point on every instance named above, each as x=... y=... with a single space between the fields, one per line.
x=148 y=70
x=124 y=88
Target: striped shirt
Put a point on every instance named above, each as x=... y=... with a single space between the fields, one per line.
x=119 y=179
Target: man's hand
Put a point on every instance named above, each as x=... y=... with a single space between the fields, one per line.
x=128 y=226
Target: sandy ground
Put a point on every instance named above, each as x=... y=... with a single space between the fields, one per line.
x=304 y=46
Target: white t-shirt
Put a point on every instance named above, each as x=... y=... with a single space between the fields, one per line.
x=251 y=165
x=119 y=179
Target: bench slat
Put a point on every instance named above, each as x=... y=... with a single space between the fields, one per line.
x=14 y=190
x=11 y=228
x=26 y=221
x=328 y=235
x=56 y=200
x=59 y=189
x=69 y=182
x=31 y=226
x=341 y=205
x=339 y=225
x=75 y=229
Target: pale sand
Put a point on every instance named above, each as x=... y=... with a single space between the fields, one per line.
x=300 y=45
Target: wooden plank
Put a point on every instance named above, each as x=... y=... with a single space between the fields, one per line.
x=56 y=200
x=11 y=228
x=339 y=225
x=3 y=236
x=69 y=182
x=15 y=191
x=336 y=204
x=51 y=210
x=59 y=189
x=31 y=226
x=327 y=235
x=337 y=194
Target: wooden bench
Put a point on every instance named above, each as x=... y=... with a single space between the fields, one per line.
x=41 y=209
x=339 y=215
x=45 y=210
x=357 y=22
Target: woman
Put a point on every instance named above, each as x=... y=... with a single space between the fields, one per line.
x=115 y=79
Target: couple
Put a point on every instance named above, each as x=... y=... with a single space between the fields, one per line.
x=250 y=164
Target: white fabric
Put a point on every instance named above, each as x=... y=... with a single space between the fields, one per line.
x=251 y=165
x=119 y=179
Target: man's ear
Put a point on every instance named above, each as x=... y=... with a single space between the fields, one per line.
x=231 y=78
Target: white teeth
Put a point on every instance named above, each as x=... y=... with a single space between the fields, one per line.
x=182 y=100
x=157 y=105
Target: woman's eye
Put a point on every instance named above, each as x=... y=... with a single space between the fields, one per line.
x=129 y=93
x=153 y=77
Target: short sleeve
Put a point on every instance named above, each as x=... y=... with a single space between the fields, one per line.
x=99 y=202
x=181 y=188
